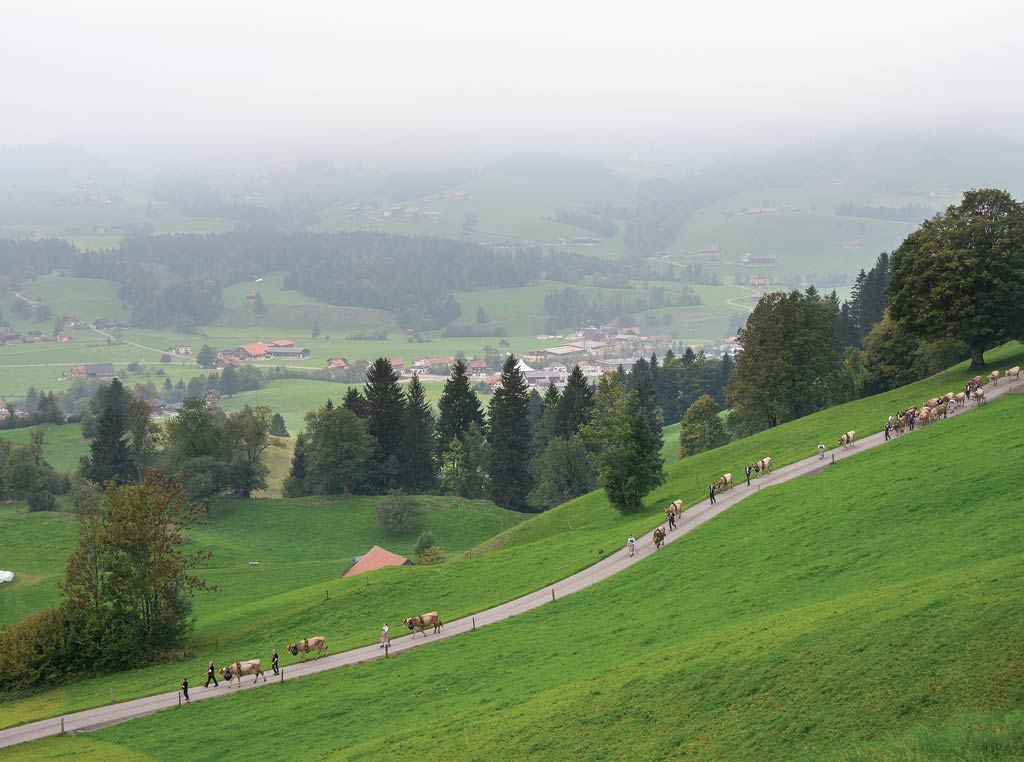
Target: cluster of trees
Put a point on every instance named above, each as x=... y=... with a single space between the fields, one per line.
x=953 y=289
x=209 y=450
x=596 y=223
x=528 y=453
x=25 y=474
x=412 y=276
x=909 y=213
x=571 y=308
x=126 y=596
x=40 y=407
x=21 y=259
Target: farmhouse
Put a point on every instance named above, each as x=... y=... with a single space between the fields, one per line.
x=255 y=351
x=337 y=362
x=95 y=370
x=287 y=353
x=105 y=325
x=751 y=259
x=282 y=343
x=182 y=349
x=376 y=558
x=9 y=337
x=63 y=336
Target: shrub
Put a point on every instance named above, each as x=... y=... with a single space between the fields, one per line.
x=396 y=512
x=430 y=556
x=41 y=500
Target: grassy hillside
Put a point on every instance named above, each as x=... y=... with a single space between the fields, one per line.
x=861 y=614
x=62 y=445
x=537 y=552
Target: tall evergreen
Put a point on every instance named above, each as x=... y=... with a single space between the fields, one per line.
x=417 y=457
x=576 y=405
x=510 y=439
x=355 y=403
x=385 y=408
x=458 y=408
x=544 y=431
x=110 y=457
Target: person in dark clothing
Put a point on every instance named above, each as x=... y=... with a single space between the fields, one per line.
x=184 y=688
x=273 y=662
x=887 y=427
x=711 y=493
x=210 y=675
x=671 y=518
x=748 y=470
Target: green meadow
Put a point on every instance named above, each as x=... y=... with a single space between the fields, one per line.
x=864 y=613
x=62 y=445
x=528 y=556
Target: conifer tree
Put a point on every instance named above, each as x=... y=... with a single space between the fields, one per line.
x=576 y=405
x=510 y=438
x=458 y=408
x=417 y=456
x=385 y=406
x=110 y=459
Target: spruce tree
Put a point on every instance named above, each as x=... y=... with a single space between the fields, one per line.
x=576 y=406
x=228 y=382
x=458 y=408
x=417 y=457
x=355 y=403
x=545 y=430
x=110 y=458
x=385 y=406
x=510 y=439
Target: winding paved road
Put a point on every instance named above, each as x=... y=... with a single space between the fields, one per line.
x=692 y=518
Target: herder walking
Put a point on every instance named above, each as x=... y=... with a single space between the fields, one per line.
x=385 y=636
x=711 y=492
x=184 y=688
x=748 y=469
x=210 y=675
x=273 y=662
x=671 y=518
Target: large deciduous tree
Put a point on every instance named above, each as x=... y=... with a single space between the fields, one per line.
x=628 y=450
x=337 y=453
x=509 y=436
x=961 y=274
x=701 y=429
x=247 y=434
x=790 y=365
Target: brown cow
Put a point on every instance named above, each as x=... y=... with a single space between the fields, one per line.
x=1013 y=372
x=421 y=623
x=303 y=647
x=239 y=668
x=659 y=537
x=763 y=465
x=723 y=483
x=846 y=440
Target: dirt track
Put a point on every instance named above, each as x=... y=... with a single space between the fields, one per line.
x=692 y=518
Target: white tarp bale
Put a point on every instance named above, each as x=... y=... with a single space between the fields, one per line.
x=6 y=576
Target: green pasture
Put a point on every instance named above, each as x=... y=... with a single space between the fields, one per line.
x=62 y=445
x=858 y=614
x=532 y=554
x=509 y=208
x=302 y=546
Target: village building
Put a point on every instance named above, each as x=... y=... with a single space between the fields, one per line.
x=94 y=370
x=254 y=351
x=376 y=558
x=287 y=353
x=63 y=337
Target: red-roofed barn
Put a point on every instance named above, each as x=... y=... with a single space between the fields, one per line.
x=376 y=558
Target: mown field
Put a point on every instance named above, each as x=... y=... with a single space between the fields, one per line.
x=542 y=550
x=859 y=614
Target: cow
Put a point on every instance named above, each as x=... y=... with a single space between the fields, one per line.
x=978 y=396
x=899 y=423
x=939 y=410
x=765 y=464
x=240 y=668
x=724 y=482
x=303 y=647
x=846 y=440
x=421 y=623
x=1014 y=371
x=659 y=537
x=960 y=399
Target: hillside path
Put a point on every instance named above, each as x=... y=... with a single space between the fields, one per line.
x=693 y=517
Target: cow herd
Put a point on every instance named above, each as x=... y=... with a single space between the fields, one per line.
x=318 y=646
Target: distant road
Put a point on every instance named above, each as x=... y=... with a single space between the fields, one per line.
x=695 y=516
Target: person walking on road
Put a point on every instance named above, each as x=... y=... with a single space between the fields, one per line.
x=631 y=544
x=210 y=675
x=888 y=426
x=748 y=469
x=711 y=492
x=385 y=636
x=821 y=451
x=184 y=688
x=274 y=662
x=671 y=518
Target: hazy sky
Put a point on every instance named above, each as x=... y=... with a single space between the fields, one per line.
x=398 y=74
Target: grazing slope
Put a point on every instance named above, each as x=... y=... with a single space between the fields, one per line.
x=870 y=612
